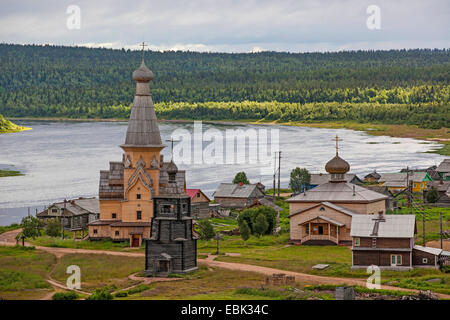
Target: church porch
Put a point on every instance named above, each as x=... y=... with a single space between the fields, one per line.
x=320 y=231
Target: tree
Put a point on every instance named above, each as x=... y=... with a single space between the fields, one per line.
x=206 y=230
x=53 y=228
x=432 y=195
x=241 y=177
x=31 y=227
x=300 y=180
x=244 y=231
x=249 y=215
x=260 y=224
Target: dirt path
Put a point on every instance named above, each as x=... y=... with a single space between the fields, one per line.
x=210 y=262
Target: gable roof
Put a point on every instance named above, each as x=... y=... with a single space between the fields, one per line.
x=327 y=204
x=399 y=178
x=338 y=192
x=393 y=226
x=193 y=192
x=321 y=178
x=373 y=174
x=444 y=166
x=231 y=190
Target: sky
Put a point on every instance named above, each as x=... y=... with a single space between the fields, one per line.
x=229 y=25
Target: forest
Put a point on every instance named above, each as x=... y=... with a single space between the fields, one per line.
x=395 y=86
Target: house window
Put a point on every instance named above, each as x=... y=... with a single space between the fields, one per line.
x=95 y=231
x=396 y=260
x=138 y=196
x=54 y=210
x=425 y=260
x=117 y=233
x=139 y=215
x=198 y=194
x=356 y=242
x=114 y=215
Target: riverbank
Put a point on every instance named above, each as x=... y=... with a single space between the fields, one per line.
x=10 y=173
x=442 y=135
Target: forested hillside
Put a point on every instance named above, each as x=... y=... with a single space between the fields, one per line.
x=47 y=81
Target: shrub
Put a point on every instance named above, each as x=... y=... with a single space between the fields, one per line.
x=121 y=294
x=206 y=230
x=260 y=225
x=244 y=230
x=100 y=294
x=138 y=288
x=53 y=228
x=71 y=295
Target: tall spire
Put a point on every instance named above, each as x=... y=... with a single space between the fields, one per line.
x=143 y=130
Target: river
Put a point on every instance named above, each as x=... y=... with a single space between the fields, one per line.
x=62 y=159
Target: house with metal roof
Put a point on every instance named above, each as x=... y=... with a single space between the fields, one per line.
x=443 y=169
x=199 y=203
x=238 y=196
x=398 y=181
x=372 y=177
x=387 y=241
x=73 y=214
x=323 y=215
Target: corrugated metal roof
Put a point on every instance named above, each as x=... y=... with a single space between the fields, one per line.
x=401 y=177
x=231 y=190
x=434 y=251
x=342 y=191
x=394 y=226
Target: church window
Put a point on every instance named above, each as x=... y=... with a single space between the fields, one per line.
x=138 y=215
x=117 y=233
x=114 y=215
x=95 y=231
x=307 y=229
x=322 y=209
x=138 y=196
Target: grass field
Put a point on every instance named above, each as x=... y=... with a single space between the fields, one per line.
x=23 y=272
x=100 y=270
x=68 y=242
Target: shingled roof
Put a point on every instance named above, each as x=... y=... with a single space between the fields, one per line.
x=143 y=130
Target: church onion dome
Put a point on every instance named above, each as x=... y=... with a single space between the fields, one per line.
x=172 y=168
x=337 y=165
x=143 y=74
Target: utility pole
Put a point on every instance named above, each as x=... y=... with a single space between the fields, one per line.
x=274 y=172
x=423 y=222
x=62 y=218
x=279 y=171
x=440 y=228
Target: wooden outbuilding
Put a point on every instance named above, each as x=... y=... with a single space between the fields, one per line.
x=237 y=196
x=199 y=203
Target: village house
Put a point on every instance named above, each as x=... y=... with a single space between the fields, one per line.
x=73 y=214
x=199 y=203
x=323 y=215
x=387 y=241
x=127 y=190
x=443 y=189
x=372 y=177
x=397 y=182
x=321 y=178
x=237 y=196
x=443 y=169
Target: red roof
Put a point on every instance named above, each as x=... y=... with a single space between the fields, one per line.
x=192 y=192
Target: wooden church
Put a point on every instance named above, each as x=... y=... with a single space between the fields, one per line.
x=142 y=198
